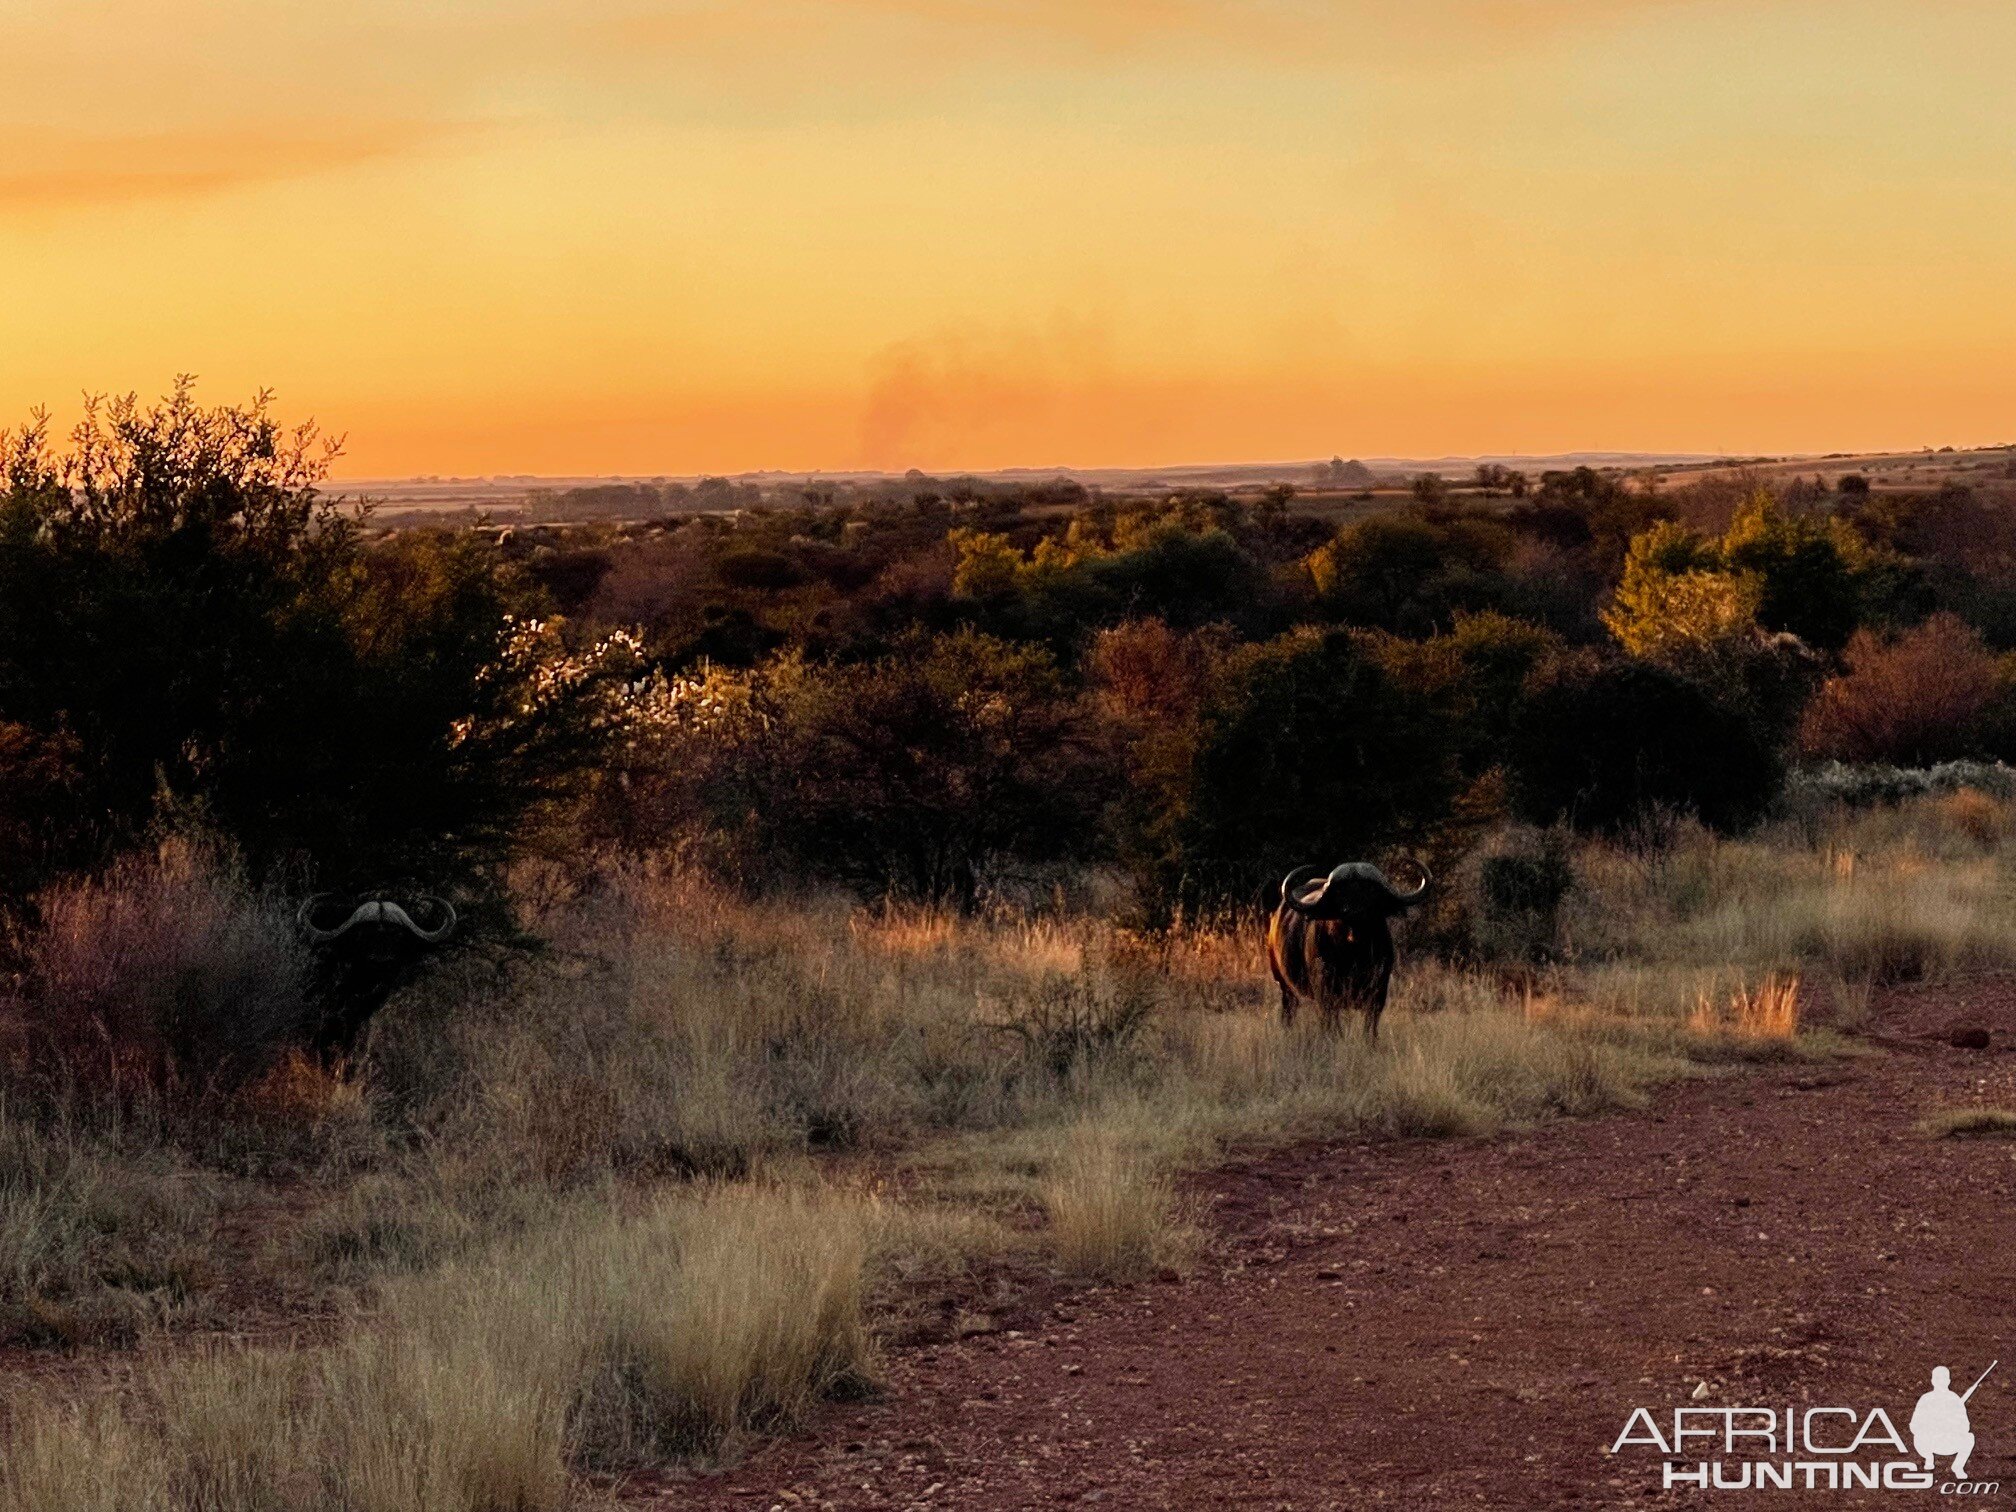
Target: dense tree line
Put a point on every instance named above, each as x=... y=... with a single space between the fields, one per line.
x=931 y=685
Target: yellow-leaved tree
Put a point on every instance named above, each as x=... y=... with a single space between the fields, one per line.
x=1677 y=602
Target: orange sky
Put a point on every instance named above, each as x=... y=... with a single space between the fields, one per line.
x=574 y=236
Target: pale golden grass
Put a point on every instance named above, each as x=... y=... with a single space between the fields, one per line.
x=1979 y=816
x=739 y=1313
x=1111 y=1208
x=97 y=1242
x=610 y=1342
x=538 y=1305
x=1767 y=1011
x=1969 y=1121
x=1879 y=896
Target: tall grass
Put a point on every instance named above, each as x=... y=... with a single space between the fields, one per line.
x=1887 y=895
x=575 y=1201
x=612 y=1344
x=1111 y=1208
x=165 y=967
x=96 y=1241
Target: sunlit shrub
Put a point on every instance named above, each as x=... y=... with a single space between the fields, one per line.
x=1929 y=694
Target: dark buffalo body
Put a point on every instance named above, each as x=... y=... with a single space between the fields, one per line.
x=1330 y=941
x=364 y=952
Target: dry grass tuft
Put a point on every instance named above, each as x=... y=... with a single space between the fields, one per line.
x=1112 y=1210
x=167 y=968
x=1981 y=818
x=731 y=1314
x=298 y=1090
x=1768 y=1011
x=1962 y=1122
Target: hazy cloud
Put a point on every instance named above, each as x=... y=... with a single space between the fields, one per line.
x=59 y=170
x=959 y=394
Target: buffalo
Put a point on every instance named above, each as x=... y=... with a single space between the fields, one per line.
x=1330 y=941
x=364 y=952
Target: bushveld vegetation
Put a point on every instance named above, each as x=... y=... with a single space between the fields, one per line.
x=862 y=905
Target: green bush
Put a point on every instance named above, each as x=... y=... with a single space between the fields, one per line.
x=1521 y=886
x=1414 y=572
x=1605 y=743
x=911 y=774
x=1313 y=753
x=188 y=624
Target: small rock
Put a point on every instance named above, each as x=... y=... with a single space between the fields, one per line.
x=1973 y=1037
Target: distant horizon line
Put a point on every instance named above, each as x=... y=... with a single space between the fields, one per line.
x=1068 y=470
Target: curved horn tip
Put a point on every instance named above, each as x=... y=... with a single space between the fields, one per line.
x=1295 y=881
x=441 y=931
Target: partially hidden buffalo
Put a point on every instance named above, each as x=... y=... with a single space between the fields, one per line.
x=364 y=952
x=1330 y=942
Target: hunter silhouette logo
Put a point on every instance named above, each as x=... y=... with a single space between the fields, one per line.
x=1825 y=1448
x=1939 y=1423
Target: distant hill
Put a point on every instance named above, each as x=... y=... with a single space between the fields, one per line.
x=508 y=494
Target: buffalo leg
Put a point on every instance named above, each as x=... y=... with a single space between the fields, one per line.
x=1374 y=1009
x=1287 y=1006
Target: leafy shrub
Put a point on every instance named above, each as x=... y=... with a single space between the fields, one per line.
x=1867 y=786
x=751 y=568
x=1412 y=573
x=42 y=826
x=1312 y=752
x=183 y=610
x=1606 y=743
x=1926 y=695
x=1676 y=602
x=909 y=774
x=1479 y=670
x=1521 y=887
x=1808 y=569
x=1100 y=574
x=1683 y=596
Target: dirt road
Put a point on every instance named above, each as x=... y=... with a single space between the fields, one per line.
x=1471 y=1322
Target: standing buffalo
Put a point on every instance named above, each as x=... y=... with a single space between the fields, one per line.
x=364 y=952
x=1329 y=940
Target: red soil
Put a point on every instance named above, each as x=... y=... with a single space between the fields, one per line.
x=1470 y=1322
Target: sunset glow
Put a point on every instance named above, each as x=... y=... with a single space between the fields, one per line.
x=645 y=236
